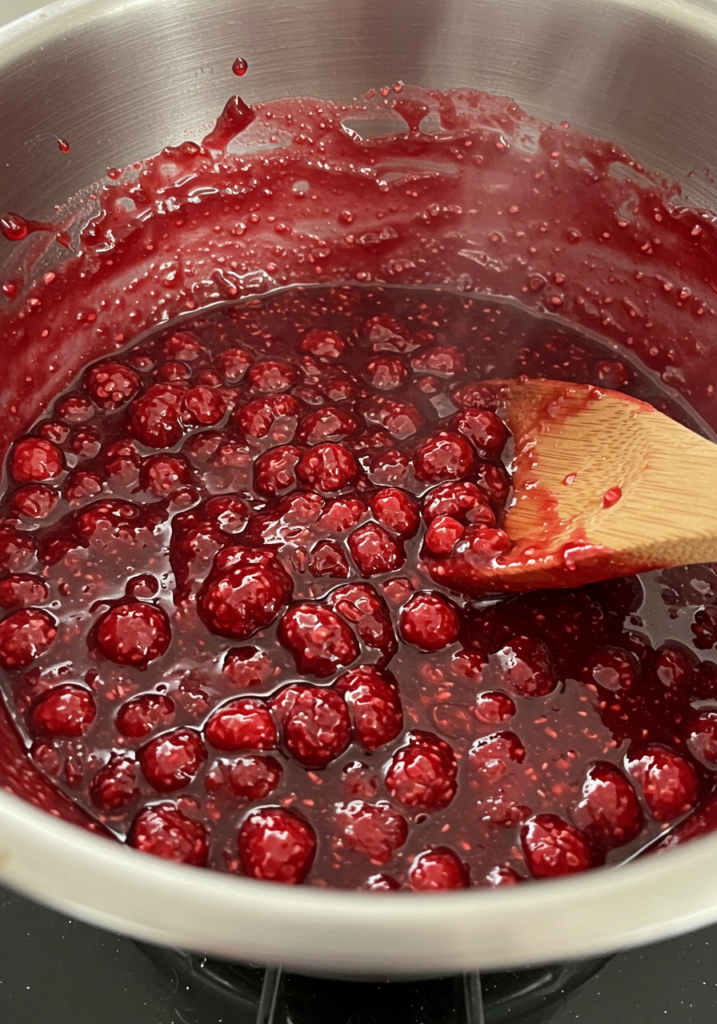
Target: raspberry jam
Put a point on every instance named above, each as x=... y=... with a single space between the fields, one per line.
x=223 y=639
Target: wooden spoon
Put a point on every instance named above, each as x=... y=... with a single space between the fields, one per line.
x=604 y=486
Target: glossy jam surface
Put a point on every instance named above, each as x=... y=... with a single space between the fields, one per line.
x=219 y=638
x=223 y=640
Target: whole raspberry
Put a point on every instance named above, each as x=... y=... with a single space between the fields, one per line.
x=34 y=459
x=315 y=723
x=438 y=868
x=374 y=706
x=429 y=621
x=24 y=636
x=375 y=830
x=483 y=429
x=668 y=781
x=368 y=613
x=441 y=360
x=375 y=551
x=36 y=501
x=502 y=875
x=326 y=424
x=275 y=415
x=245 y=591
x=445 y=456
x=133 y=634
x=327 y=346
x=462 y=500
x=202 y=407
x=172 y=760
x=245 y=778
x=110 y=384
x=276 y=845
x=525 y=666
x=327 y=467
x=64 y=711
x=140 y=715
x=242 y=724
x=21 y=590
x=319 y=640
x=386 y=372
x=275 y=470
x=17 y=550
x=114 y=786
x=400 y=419
x=396 y=511
x=552 y=847
x=154 y=417
x=270 y=375
x=161 y=474
x=423 y=773
x=609 y=812
x=233 y=363
x=328 y=559
x=164 y=831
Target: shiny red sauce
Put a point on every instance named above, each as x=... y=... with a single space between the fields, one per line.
x=222 y=640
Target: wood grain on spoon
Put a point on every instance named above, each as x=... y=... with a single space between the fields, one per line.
x=604 y=486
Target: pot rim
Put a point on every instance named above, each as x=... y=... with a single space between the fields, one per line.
x=351 y=932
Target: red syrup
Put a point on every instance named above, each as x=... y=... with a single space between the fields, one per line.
x=221 y=641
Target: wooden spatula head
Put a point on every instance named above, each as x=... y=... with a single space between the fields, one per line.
x=604 y=486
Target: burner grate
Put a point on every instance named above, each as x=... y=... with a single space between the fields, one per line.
x=256 y=995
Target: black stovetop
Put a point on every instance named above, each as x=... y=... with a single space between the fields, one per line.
x=57 y=971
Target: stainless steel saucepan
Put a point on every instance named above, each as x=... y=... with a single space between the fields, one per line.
x=122 y=78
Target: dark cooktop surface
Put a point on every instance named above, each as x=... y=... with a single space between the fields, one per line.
x=57 y=971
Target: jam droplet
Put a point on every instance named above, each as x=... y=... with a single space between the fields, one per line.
x=240 y=67
x=611 y=497
x=63 y=145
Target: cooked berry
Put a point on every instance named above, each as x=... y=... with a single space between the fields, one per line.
x=172 y=760
x=374 y=830
x=375 y=551
x=244 y=592
x=327 y=467
x=374 y=706
x=154 y=416
x=140 y=715
x=133 y=634
x=24 y=636
x=276 y=845
x=319 y=640
x=438 y=868
x=33 y=459
x=423 y=773
x=114 y=786
x=245 y=778
x=64 y=711
x=164 y=831
x=429 y=621
x=553 y=847
x=111 y=384
x=609 y=812
x=524 y=666
x=669 y=782
x=243 y=724
x=315 y=724
x=445 y=456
